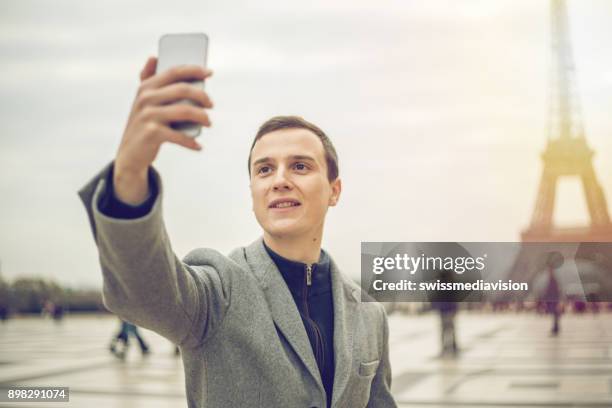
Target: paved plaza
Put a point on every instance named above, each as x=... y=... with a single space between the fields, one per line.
x=506 y=360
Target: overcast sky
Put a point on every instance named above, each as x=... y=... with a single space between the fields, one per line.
x=437 y=109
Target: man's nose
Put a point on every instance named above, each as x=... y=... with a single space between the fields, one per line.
x=280 y=181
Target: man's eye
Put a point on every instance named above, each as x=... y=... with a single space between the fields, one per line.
x=263 y=169
x=300 y=166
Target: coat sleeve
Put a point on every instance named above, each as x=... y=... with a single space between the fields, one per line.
x=143 y=280
x=380 y=392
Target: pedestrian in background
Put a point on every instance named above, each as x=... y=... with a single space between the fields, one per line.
x=120 y=342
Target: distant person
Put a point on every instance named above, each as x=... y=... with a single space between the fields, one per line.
x=119 y=343
x=47 y=309
x=4 y=313
x=57 y=313
x=448 y=336
x=52 y=310
x=446 y=302
x=552 y=293
x=274 y=323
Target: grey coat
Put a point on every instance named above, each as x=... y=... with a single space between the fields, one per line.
x=242 y=340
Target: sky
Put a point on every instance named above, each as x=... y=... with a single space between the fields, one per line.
x=437 y=108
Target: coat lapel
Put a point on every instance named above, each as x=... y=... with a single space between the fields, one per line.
x=346 y=300
x=287 y=318
x=282 y=306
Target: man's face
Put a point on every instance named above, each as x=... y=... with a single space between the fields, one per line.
x=289 y=184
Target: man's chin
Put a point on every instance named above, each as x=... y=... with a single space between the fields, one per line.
x=283 y=230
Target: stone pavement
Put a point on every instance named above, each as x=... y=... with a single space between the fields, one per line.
x=506 y=360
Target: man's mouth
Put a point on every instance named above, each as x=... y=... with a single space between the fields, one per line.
x=284 y=203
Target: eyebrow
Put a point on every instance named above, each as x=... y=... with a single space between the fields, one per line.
x=294 y=157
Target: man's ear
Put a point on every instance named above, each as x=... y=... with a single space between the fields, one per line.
x=336 y=187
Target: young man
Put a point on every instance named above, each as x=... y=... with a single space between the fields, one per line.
x=273 y=324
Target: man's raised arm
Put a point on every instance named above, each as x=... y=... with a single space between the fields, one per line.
x=144 y=282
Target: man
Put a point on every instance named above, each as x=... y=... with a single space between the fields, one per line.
x=552 y=292
x=275 y=323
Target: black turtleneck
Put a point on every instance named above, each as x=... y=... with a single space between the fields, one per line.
x=315 y=304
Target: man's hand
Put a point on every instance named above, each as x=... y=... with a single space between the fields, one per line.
x=148 y=125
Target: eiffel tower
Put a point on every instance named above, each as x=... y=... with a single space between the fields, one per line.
x=567 y=152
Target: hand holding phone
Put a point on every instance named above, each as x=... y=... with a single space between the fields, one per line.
x=154 y=112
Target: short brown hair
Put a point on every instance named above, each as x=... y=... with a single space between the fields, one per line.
x=296 y=122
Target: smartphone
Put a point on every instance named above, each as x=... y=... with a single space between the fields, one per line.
x=183 y=49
